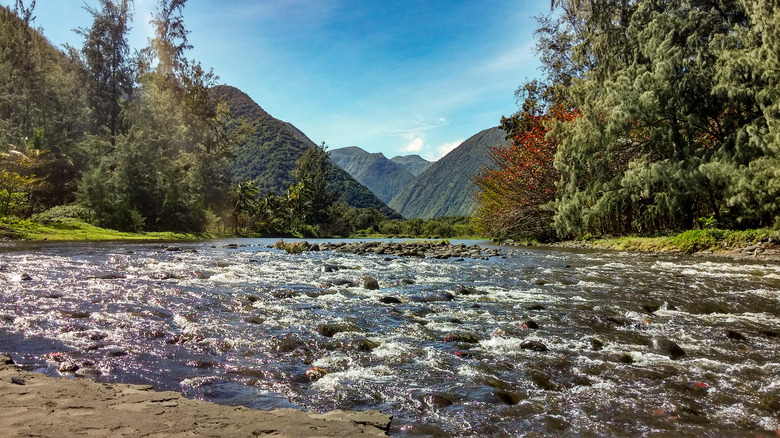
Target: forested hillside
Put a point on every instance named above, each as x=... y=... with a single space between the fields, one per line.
x=380 y=175
x=653 y=117
x=269 y=151
x=446 y=189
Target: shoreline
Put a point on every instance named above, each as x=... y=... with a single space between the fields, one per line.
x=34 y=404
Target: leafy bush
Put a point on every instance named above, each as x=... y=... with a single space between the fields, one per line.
x=63 y=213
x=291 y=248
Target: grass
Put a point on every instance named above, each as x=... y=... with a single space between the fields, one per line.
x=71 y=229
x=691 y=241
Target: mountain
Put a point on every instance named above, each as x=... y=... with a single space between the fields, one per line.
x=382 y=176
x=415 y=164
x=445 y=189
x=269 y=153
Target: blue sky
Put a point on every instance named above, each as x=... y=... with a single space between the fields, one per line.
x=397 y=77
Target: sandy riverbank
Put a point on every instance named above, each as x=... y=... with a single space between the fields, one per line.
x=33 y=404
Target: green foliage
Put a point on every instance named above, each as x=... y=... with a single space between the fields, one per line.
x=679 y=105
x=63 y=213
x=291 y=247
x=462 y=227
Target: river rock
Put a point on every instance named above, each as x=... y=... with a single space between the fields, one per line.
x=25 y=277
x=443 y=296
x=651 y=307
x=390 y=300
x=668 y=348
x=366 y=345
x=536 y=307
x=370 y=283
x=533 y=345
x=626 y=359
x=329 y=330
x=467 y=291
x=68 y=367
x=316 y=373
x=508 y=398
x=437 y=400
x=596 y=344
x=531 y=324
x=461 y=337
x=735 y=336
x=255 y=320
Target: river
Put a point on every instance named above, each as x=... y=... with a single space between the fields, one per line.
x=452 y=346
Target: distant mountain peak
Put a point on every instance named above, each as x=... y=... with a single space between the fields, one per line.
x=382 y=176
x=445 y=188
x=415 y=164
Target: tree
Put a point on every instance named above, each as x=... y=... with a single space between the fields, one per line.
x=246 y=203
x=106 y=53
x=517 y=190
x=635 y=161
x=311 y=195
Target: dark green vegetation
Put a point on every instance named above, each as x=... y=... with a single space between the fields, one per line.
x=380 y=175
x=143 y=141
x=270 y=148
x=133 y=140
x=445 y=189
x=677 y=117
x=415 y=164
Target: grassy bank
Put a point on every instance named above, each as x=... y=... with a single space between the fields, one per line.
x=689 y=242
x=65 y=230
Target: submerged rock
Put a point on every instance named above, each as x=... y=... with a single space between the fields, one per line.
x=668 y=348
x=390 y=300
x=531 y=324
x=437 y=400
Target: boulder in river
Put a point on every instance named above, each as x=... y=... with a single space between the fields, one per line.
x=329 y=329
x=370 y=283
x=390 y=300
x=531 y=324
x=533 y=345
x=668 y=348
x=461 y=337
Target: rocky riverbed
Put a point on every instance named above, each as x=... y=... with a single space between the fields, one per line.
x=488 y=342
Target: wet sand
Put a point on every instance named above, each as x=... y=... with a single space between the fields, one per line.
x=33 y=404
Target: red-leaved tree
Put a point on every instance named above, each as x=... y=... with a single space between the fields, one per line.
x=515 y=193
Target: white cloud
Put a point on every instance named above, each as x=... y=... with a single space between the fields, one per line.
x=446 y=148
x=414 y=142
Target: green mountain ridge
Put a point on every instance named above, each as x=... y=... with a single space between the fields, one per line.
x=269 y=153
x=382 y=176
x=445 y=189
x=415 y=164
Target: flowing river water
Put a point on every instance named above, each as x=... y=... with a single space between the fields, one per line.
x=445 y=346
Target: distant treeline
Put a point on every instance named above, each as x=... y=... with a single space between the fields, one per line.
x=653 y=117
